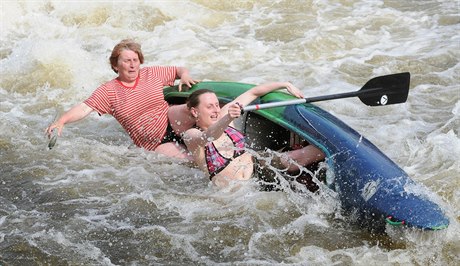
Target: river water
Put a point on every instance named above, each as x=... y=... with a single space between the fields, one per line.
x=96 y=200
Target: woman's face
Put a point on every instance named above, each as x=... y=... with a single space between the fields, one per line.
x=208 y=110
x=128 y=66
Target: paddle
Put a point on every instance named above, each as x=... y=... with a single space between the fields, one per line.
x=383 y=90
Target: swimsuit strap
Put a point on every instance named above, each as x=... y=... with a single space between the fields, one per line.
x=215 y=161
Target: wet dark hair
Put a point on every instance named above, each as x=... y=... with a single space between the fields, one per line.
x=126 y=44
x=193 y=99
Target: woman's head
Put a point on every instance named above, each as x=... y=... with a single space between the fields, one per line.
x=126 y=44
x=204 y=106
x=193 y=99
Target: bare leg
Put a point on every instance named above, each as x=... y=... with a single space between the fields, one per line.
x=305 y=156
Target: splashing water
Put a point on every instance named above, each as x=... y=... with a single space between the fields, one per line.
x=96 y=199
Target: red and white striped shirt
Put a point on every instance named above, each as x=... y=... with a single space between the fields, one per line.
x=141 y=110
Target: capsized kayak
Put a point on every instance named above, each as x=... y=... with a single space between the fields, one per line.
x=368 y=183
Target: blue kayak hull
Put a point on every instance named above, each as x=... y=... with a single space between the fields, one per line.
x=366 y=180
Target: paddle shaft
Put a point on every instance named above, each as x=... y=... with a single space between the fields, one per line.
x=305 y=100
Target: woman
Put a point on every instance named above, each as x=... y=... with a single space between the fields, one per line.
x=218 y=149
x=135 y=98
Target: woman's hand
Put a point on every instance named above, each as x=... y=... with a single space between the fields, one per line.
x=294 y=90
x=55 y=125
x=234 y=110
x=186 y=79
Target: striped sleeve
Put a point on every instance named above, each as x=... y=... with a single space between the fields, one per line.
x=167 y=74
x=99 y=101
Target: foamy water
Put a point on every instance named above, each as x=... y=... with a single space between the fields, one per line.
x=96 y=199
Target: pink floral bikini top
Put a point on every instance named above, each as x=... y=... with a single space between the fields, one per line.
x=215 y=161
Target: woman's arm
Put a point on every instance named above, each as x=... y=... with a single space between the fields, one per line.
x=195 y=138
x=76 y=113
x=260 y=90
x=232 y=110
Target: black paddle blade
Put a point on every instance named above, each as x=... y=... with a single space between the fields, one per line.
x=384 y=90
